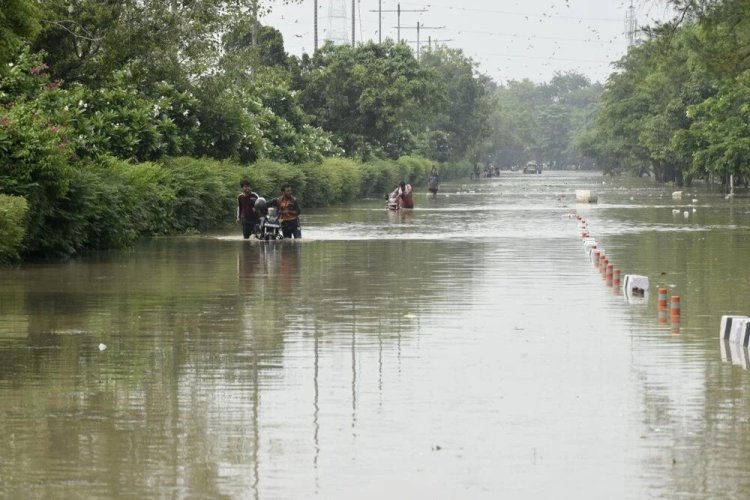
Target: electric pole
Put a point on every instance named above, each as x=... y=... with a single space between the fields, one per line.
x=354 y=15
x=398 y=12
x=315 y=27
x=419 y=28
x=437 y=42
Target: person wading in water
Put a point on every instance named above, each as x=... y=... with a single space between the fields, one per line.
x=404 y=195
x=289 y=212
x=245 y=212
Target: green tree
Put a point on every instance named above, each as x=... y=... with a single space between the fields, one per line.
x=374 y=98
x=171 y=40
x=462 y=123
x=19 y=21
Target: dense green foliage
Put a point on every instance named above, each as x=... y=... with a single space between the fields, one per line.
x=125 y=119
x=113 y=203
x=376 y=98
x=542 y=122
x=12 y=213
x=678 y=104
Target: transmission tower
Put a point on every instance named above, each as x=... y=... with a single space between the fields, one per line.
x=337 y=22
x=631 y=25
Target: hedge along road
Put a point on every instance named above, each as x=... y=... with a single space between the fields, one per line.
x=465 y=349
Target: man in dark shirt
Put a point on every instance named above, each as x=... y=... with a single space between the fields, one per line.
x=245 y=212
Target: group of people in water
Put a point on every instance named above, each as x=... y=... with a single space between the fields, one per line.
x=252 y=208
x=401 y=196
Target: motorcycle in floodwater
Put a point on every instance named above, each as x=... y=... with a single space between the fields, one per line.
x=270 y=226
x=391 y=202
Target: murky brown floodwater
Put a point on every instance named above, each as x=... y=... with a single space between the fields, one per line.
x=467 y=349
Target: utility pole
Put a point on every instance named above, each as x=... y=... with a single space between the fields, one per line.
x=429 y=41
x=354 y=25
x=419 y=28
x=398 y=12
x=380 y=21
x=418 y=44
x=255 y=23
x=315 y=27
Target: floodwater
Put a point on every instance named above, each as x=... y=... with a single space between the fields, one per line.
x=465 y=349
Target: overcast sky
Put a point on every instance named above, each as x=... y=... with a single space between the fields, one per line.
x=510 y=39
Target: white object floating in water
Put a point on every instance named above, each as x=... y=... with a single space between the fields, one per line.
x=740 y=331
x=734 y=353
x=675 y=211
x=102 y=347
x=635 y=285
x=586 y=196
x=695 y=200
x=677 y=195
x=725 y=327
x=686 y=214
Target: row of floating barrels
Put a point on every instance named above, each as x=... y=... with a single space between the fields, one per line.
x=734 y=329
x=634 y=287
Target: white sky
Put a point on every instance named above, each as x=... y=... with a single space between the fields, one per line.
x=510 y=39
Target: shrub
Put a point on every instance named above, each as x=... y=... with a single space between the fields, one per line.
x=334 y=180
x=379 y=177
x=205 y=192
x=151 y=195
x=12 y=213
x=267 y=176
x=414 y=169
x=34 y=163
x=455 y=169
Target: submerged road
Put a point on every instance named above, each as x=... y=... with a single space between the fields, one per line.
x=465 y=349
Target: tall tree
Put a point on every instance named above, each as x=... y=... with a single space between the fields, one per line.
x=19 y=21
x=464 y=112
x=172 y=40
x=375 y=98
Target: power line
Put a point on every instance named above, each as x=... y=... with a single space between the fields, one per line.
x=526 y=14
x=528 y=37
x=398 y=11
x=544 y=58
x=419 y=28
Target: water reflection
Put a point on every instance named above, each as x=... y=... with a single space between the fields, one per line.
x=463 y=349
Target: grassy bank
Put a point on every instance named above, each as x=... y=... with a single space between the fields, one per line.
x=113 y=203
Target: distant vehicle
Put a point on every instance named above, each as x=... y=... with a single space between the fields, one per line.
x=532 y=168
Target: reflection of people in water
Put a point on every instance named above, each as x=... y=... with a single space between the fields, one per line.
x=289 y=266
x=400 y=216
x=247 y=266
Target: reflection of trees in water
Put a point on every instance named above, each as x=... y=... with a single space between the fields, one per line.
x=190 y=327
x=695 y=406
